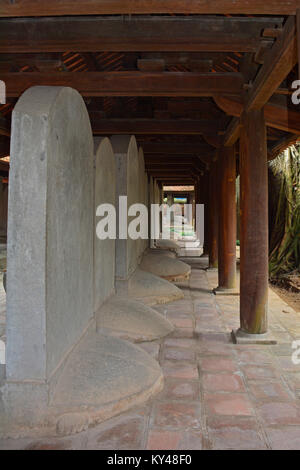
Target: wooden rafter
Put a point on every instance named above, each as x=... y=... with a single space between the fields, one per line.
x=129 y=83
x=277 y=115
x=232 y=133
x=153 y=127
x=123 y=7
x=88 y=34
x=277 y=65
x=175 y=148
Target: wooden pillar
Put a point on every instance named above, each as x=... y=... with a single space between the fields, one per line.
x=213 y=216
x=227 y=219
x=204 y=199
x=161 y=201
x=298 y=40
x=197 y=201
x=193 y=202
x=254 y=223
x=206 y=227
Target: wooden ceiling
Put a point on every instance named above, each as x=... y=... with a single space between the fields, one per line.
x=176 y=74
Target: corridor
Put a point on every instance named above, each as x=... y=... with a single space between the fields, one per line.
x=217 y=395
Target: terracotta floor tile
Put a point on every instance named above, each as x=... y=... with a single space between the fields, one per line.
x=280 y=413
x=176 y=354
x=260 y=372
x=255 y=357
x=123 y=434
x=247 y=395
x=177 y=414
x=183 y=333
x=269 y=390
x=217 y=363
x=223 y=382
x=174 y=440
x=180 y=322
x=236 y=434
x=179 y=371
x=189 y=343
x=181 y=389
x=284 y=438
x=228 y=404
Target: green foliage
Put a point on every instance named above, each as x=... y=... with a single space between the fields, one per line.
x=284 y=194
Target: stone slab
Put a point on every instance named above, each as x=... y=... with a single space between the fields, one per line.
x=130 y=319
x=165 y=267
x=240 y=337
x=104 y=250
x=167 y=245
x=50 y=231
x=152 y=289
x=159 y=252
x=127 y=175
x=103 y=377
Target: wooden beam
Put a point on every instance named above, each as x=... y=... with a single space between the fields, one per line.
x=281 y=145
x=176 y=148
x=178 y=182
x=173 y=170
x=277 y=114
x=96 y=34
x=151 y=65
x=232 y=133
x=128 y=83
x=168 y=167
x=182 y=162
x=152 y=126
x=4 y=147
x=298 y=38
x=141 y=7
x=180 y=153
x=277 y=65
x=4 y=128
x=181 y=174
x=4 y=167
x=202 y=161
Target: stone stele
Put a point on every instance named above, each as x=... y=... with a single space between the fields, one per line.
x=61 y=375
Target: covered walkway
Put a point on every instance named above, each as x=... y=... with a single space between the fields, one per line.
x=104 y=106
x=217 y=395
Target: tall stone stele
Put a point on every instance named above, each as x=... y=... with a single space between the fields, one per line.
x=50 y=241
x=61 y=374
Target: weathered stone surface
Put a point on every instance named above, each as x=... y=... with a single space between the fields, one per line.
x=159 y=252
x=167 y=245
x=127 y=168
x=104 y=250
x=50 y=231
x=104 y=377
x=130 y=319
x=165 y=267
x=120 y=317
x=152 y=289
x=62 y=375
x=143 y=198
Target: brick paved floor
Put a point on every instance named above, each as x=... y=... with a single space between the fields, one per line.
x=217 y=395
